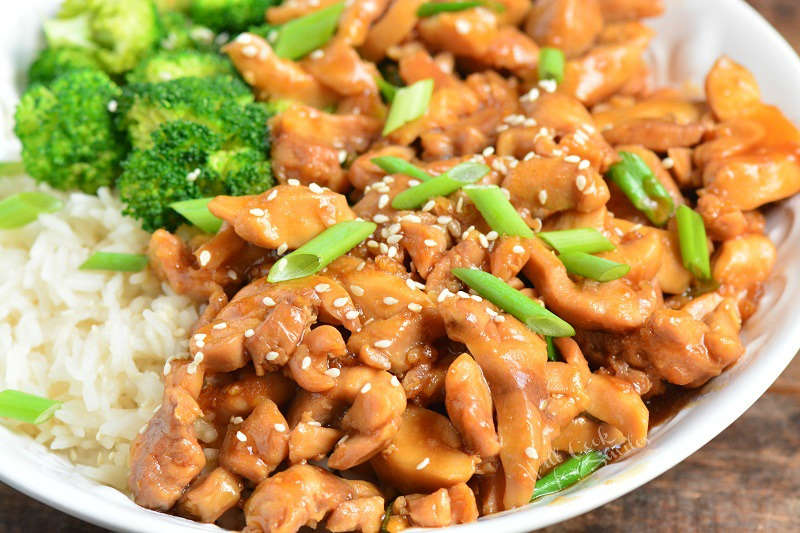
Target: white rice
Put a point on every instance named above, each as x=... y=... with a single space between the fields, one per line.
x=96 y=341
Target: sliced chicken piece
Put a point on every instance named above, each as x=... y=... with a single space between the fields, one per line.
x=309 y=364
x=615 y=401
x=425 y=242
x=210 y=496
x=655 y=134
x=569 y=25
x=469 y=406
x=363 y=172
x=173 y=262
x=731 y=89
x=339 y=67
x=619 y=10
x=292 y=9
x=360 y=514
x=241 y=394
x=466 y=254
x=745 y=261
x=311 y=441
x=391 y=29
x=358 y=16
x=583 y=434
x=442 y=508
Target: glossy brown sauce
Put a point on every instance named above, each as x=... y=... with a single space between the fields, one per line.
x=666 y=405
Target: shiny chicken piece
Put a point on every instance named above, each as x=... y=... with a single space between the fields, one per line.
x=469 y=406
x=210 y=496
x=569 y=25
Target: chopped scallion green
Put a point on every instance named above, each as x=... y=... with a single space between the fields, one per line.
x=196 y=212
x=497 y=210
x=23 y=208
x=568 y=473
x=586 y=240
x=552 y=351
x=388 y=91
x=551 y=64
x=593 y=267
x=395 y=165
x=428 y=9
x=442 y=185
x=693 y=243
x=512 y=301
x=115 y=262
x=320 y=251
x=25 y=407
x=303 y=35
x=409 y=103
x=640 y=185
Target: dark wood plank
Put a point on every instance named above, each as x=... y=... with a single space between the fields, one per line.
x=746 y=479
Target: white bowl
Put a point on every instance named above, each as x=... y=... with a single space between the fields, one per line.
x=690 y=37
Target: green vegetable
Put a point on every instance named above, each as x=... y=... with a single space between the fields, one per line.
x=586 y=240
x=170 y=6
x=214 y=102
x=165 y=66
x=196 y=212
x=231 y=16
x=180 y=33
x=429 y=9
x=640 y=185
x=693 y=243
x=387 y=514
x=409 y=103
x=187 y=161
x=115 y=262
x=320 y=251
x=67 y=132
x=118 y=33
x=53 y=62
x=552 y=351
x=395 y=165
x=25 y=407
x=388 y=91
x=442 y=185
x=551 y=64
x=568 y=473
x=507 y=298
x=302 y=35
x=593 y=267
x=23 y=208
x=11 y=168
x=497 y=210
x=268 y=32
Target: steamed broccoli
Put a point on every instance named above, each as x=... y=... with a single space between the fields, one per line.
x=165 y=66
x=67 y=132
x=145 y=106
x=229 y=15
x=53 y=62
x=118 y=33
x=172 y=5
x=188 y=160
x=179 y=33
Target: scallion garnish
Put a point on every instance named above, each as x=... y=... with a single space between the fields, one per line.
x=395 y=165
x=586 y=240
x=409 y=103
x=568 y=473
x=318 y=253
x=115 y=262
x=551 y=64
x=388 y=91
x=642 y=188
x=23 y=208
x=11 y=168
x=25 y=407
x=428 y=9
x=552 y=351
x=593 y=267
x=507 y=298
x=693 y=243
x=497 y=210
x=196 y=212
x=303 y=35
x=442 y=185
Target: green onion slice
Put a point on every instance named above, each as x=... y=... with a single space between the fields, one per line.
x=11 y=168
x=568 y=473
x=497 y=210
x=388 y=91
x=196 y=212
x=25 y=407
x=320 y=251
x=693 y=243
x=552 y=351
x=428 y=9
x=115 y=262
x=586 y=240
x=387 y=514
x=23 y=208
x=442 y=185
x=551 y=64
x=395 y=165
x=593 y=267
x=303 y=35
x=409 y=103
x=507 y=298
x=642 y=188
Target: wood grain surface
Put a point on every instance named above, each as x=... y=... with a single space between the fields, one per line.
x=746 y=479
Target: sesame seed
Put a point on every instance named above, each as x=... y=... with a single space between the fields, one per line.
x=668 y=163
x=530 y=451
x=271 y=356
x=366 y=388
x=249 y=333
x=340 y=302
x=543 y=196
x=484 y=242
x=422 y=464
x=572 y=159
x=489 y=150
x=237 y=420
x=280 y=428
x=384 y=343
x=584 y=164
x=518 y=249
x=249 y=51
x=233 y=275
x=313 y=423
x=499 y=318
x=443 y=295
x=351 y=315
x=412 y=218
x=394 y=239
x=305 y=363
x=394 y=228
x=462 y=294
x=429 y=242
x=333 y=372
x=394 y=381
x=414 y=307
x=244 y=38
x=241 y=436
x=355 y=289
x=460 y=204
x=429 y=205
x=530 y=96
x=342 y=156
x=413 y=183
x=392 y=252
x=390 y=300
x=271 y=196
x=492 y=235
x=205 y=257
x=476 y=298
x=380 y=219
x=269 y=302
x=383 y=201
x=322 y=287
x=444 y=219
x=112 y=106
x=221 y=325
x=316 y=54
x=282 y=248
x=293 y=182
x=548 y=86
x=580 y=182
x=256 y=212
x=315 y=188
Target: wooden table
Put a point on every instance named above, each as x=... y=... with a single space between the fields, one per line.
x=746 y=479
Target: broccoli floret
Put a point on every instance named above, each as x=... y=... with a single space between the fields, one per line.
x=145 y=106
x=67 y=132
x=119 y=33
x=179 y=33
x=229 y=15
x=166 y=6
x=165 y=66
x=53 y=62
x=187 y=160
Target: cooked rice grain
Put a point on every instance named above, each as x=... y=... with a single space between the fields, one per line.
x=96 y=341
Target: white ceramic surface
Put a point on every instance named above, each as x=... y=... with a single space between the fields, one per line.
x=690 y=37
